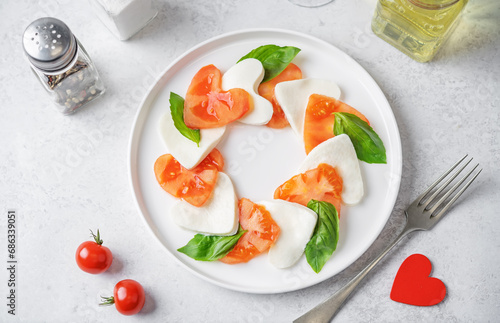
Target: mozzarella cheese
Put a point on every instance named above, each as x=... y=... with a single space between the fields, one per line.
x=339 y=152
x=247 y=75
x=293 y=97
x=219 y=214
x=185 y=151
x=297 y=224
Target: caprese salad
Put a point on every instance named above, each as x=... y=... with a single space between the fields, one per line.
x=263 y=88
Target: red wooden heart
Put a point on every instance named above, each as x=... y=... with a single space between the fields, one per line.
x=413 y=285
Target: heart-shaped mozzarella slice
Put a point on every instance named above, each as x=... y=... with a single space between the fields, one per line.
x=185 y=151
x=247 y=75
x=296 y=224
x=339 y=152
x=218 y=216
x=294 y=95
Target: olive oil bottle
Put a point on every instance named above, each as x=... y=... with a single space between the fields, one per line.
x=416 y=27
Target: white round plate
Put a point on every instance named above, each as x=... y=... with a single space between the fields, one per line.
x=259 y=159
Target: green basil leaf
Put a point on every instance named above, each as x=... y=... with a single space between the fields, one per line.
x=325 y=237
x=368 y=145
x=274 y=58
x=177 y=111
x=210 y=248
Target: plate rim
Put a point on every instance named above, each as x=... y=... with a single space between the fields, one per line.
x=141 y=115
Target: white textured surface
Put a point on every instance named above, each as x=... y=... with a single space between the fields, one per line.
x=65 y=175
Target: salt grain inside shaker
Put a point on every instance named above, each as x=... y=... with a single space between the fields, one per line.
x=61 y=63
x=124 y=18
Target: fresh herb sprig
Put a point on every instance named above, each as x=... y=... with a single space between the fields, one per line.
x=177 y=111
x=368 y=145
x=325 y=236
x=274 y=58
x=210 y=248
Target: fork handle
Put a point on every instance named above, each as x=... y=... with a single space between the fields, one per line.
x=325 y=311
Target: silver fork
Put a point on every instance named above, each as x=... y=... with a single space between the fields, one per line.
x=422 y=214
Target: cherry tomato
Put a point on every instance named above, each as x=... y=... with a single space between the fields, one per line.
x=92 y=257
x=128 y=297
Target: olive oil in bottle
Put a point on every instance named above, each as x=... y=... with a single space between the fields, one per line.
x=416 y=27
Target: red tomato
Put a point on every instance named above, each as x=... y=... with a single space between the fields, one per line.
x=261 y=234
x=128 y=297
x=322 y=183
x=92 y=257
x=207 y=106
x=319 y=119
x=192 y=185
x=266 y=90
x=243 y=251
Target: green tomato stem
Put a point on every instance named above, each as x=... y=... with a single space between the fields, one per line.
x=97 y=238
x=106 y=301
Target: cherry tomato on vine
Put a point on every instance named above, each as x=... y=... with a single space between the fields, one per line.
x=128 y=297
x=92 y=257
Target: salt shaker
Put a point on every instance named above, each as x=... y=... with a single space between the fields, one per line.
x=124 y=18
x=61 y=63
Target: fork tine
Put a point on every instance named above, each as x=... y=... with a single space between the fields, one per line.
x=430 y=199
x=450 y=191
x=447 y=206
x=424 y=194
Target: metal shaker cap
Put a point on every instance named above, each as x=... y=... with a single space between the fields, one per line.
x=49 y=44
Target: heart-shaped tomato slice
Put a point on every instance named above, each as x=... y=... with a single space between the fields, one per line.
x=192 y=185
x=261 y=233
x=322 y=184
x=207 y=106
x=266 y=90
x=319 y=119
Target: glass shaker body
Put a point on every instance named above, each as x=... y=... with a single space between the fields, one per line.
x=62 y=64
x=74 y=86
x=416 y=27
